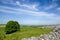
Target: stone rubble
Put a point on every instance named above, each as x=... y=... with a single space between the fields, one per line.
x=55 y=35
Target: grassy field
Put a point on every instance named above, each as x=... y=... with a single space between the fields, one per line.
x=25 y=32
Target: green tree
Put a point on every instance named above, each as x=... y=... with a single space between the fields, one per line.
x=12 y=26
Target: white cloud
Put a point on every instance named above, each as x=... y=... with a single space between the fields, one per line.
x=58 y=8
x=29 y=6
x=33 y=7
x=45 y=14
x=54 y=18
x=51 y=6
x=54 y=0
x=18 y=3
x=29 y=12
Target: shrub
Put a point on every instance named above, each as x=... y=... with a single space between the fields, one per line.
x=12 y=26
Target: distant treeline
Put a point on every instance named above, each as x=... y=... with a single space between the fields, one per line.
x=31 y=26
x=2 y=24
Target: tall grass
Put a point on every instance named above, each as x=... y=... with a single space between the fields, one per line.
x=25 y=32
x=2 y=33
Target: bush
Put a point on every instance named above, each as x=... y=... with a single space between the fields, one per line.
x=12 y=26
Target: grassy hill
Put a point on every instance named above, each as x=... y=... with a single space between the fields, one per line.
x=25 y=32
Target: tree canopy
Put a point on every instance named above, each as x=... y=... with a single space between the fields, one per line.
x=12 y=26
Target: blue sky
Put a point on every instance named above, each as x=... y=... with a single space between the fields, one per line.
x=30 y=12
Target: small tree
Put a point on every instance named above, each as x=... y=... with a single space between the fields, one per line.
x=12 y=26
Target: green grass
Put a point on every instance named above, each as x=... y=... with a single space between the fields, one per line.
x=26 y=33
